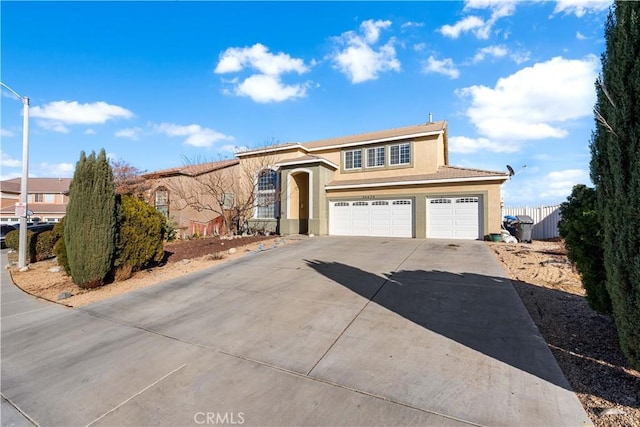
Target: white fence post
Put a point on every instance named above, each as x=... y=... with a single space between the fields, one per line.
x=545 y=219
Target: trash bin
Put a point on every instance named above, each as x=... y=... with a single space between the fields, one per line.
x=508 y=224
x=523 y=225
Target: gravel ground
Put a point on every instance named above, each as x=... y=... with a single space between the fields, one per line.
x=584 y=343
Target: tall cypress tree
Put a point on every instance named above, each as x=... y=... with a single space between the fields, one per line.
x=90 y=222
x=615 y=169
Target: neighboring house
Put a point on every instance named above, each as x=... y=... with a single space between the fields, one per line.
x=180 y=194
x=395 y=182
x=47 y=199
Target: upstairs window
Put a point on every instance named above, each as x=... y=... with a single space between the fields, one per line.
x=375 y=157
x=353 y=159
x=400 y=154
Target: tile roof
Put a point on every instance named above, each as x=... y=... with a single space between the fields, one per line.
x=37 y=185
x=192 y=170
x=379 y=135
x=449 y=173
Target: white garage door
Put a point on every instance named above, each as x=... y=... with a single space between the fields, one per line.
x=453 y=218
x=384 y=218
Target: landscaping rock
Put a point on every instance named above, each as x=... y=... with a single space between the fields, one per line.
x=55 y=269
x=611 y=411
x=232 y=251
x=64 y=295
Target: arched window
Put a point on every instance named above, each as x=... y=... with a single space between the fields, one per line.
x=161 y=200
x=266 y=194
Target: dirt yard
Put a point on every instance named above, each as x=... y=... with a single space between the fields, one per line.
x=584 y=342
x=47 y=280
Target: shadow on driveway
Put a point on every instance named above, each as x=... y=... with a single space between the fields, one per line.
x=481 y=312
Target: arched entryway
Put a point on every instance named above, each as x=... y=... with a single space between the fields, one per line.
x=299 y=206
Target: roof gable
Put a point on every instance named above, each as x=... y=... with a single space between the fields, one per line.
x=38 y=185
x=378 y=136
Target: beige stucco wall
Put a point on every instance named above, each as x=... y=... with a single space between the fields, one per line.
x=426 y=156
x=178 y=210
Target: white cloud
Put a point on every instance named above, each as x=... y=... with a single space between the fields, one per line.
x=412 y=25
x=419 y=47
x=57 y=170
x=498 y=8
x=266 y=85
x=520 y=56
x=580 y=36
x=358 y=59
x=73 y=113
x=560 y=183
x=265 y=88
x=9 y=175
x=6 y=133
x=501 y=51
x=197 y=136
x=371 y=30
x=581 y=7
x=497 y=51
x=89 y=132
x=480 y=27
x=6 y=161
x=52 y=126
x=550 y=188
x=129 y=133
x=534 y=102
x=465 y=25
x=444 y=66
x=464 y=145
x=259 y=58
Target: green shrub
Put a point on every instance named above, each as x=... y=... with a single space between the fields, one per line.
x=170 y=229
x=140 y=236
x=12 y=240
x=45 y=242
x=582 y=232
x=60 y=249
x=615 y=169
x=90 y=228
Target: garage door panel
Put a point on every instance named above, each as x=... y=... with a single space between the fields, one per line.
x=453 y=217
x=383 y=218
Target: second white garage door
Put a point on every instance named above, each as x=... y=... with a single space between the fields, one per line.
x=383 y=218
x=453 y=217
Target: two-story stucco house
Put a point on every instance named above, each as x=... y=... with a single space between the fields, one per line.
x=395 y=182
x=47 y=199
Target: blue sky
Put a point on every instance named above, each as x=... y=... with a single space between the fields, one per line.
x=155 y=83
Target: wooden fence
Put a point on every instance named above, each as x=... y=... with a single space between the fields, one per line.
x=545 y=219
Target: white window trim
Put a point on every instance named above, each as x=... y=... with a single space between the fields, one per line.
x=257 y=192
x=375 y=156
x=344 y=159
x=399 y=154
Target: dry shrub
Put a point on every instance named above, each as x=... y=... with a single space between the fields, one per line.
x=123 y=273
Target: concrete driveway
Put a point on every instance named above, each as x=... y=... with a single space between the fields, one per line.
x=328 y=331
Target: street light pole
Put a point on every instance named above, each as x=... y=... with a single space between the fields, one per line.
x=22 y=242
